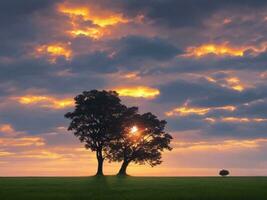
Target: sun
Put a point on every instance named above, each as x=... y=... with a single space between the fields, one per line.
x=134 y=129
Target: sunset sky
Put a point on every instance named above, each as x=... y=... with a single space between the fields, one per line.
x=199 y=64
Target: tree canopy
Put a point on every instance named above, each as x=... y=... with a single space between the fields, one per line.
x=96 y=120
x=142 y=141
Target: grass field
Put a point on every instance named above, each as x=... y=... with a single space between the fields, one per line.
x=148 y=188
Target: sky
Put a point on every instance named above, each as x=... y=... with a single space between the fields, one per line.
x=200 y=65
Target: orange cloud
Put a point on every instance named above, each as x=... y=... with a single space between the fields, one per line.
x=5 y=153
x=224 y=50
x=89 y=32
x=236 y=119
x=186 y=110
x=53 y=51
x=6 y=128
x=235 y=84
x=139 y=91
x=230 y=82
x=226 y=145
x=217 y=49
x=101 y=18
x=21 y=142
x=9 y=131
x=45 y=101
x=131 y=75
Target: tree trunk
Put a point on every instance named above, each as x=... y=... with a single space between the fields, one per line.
x=100 y=161
x=123 y=168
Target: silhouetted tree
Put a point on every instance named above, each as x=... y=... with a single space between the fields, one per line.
x=224 y=172
x=96 y=121
x=142 y=141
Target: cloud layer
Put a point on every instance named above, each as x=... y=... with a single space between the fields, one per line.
x=200 y=65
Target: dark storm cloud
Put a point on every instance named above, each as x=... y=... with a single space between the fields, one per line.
x=96 y=61
x=136 y=48
x=173 y=13
x=12 y=10
x=31 y=119
x=250 y=106
x=200 y=93
x=125 y=52
x=26 y=74
x=206 y=94
x=19 y=26
x=192 y=122
x=214 y=63
x=237 y=130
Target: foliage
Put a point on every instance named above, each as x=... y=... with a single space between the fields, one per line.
x=144 y=146
x=224 y=172
x=96 y=120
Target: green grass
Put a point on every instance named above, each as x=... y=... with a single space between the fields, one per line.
x=147 y=188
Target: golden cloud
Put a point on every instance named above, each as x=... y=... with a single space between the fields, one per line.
x=101 y=18
x=233 y=83
x=216 y=49
x=131 y=75
x=22 y=142
x=236 y=119
x=6 y=128
x=139 y=91
x=45 y=101
x=9 y=131
x=226 y=145
x=5 y=153
x=186 y=110
x=53 y=51
x=224 y=50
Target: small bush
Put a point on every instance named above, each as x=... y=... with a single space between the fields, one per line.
x=224 y=172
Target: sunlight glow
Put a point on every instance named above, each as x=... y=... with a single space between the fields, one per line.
x=134 y=130
x=140 y=91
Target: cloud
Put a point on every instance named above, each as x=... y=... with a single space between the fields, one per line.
x=45 y=101
x=187 y=110
x=138 y=91
x=175 y=14
x=219 y=50
x=23 y=141
x=136 y=48
x=53 y=51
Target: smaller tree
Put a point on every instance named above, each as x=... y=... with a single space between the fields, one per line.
x=142 y=141
x=224 y=173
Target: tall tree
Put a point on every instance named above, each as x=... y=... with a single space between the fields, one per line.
x=142 y=141
x=96 y=121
